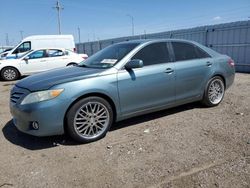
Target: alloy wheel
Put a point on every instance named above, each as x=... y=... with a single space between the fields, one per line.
x=9 y=74
x=91 y=120
x=216 y=91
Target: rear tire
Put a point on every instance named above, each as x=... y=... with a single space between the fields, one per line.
x=214 y=92
x=89 y=119
x=9 y=73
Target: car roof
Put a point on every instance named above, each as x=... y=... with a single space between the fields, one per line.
x=148 y=41
x=52 y=48
x=141 y=41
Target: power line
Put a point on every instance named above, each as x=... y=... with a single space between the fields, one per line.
x=58 y=7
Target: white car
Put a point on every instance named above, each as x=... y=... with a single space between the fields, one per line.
x=38 y=60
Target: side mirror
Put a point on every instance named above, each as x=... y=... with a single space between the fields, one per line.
x=26 y=58
x=135 y=63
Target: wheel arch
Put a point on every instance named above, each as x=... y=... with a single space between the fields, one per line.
x=18 y=71
x=220 y=75
x=205 y=95
x=71 y=63
x=214 y=75
x=93 y=94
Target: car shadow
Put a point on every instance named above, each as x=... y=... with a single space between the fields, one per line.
x=16 y=137
x=155 y=115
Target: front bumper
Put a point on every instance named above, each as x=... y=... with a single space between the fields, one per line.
x=49 y=115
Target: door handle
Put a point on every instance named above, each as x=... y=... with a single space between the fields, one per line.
x=169 y=71
x=43 y=60
x=209 y=64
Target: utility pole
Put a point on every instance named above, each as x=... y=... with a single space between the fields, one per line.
x=58 y=7
x=79 y=34
x=132 y=24
x=7 y=39
x=21 y=33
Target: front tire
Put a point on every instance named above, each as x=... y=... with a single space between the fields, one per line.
x=214 y=92
x=89 y=119
x=9 y=73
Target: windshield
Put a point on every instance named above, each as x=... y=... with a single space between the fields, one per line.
x=109 y=56
x=24 y=54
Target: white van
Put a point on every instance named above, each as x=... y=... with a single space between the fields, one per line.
x=41 y=41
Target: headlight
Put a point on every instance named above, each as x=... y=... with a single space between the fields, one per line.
x=41 y=96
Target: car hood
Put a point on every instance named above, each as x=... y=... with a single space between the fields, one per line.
x=46 y=80
x=7 y=61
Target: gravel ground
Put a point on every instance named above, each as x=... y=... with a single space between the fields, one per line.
x=187 y=146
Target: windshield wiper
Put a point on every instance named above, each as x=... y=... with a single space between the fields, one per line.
x=83 y=65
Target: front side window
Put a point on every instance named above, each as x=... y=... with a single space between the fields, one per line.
x=55 y=53
x=153 y=54
x=109 y=56
x=24 y=55
x=24 y=47
x=185 y=51
x=37 y=54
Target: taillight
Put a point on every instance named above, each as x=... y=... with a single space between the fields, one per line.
x=231 y=62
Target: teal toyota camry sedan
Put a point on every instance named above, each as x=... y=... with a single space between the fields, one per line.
x=121 y=81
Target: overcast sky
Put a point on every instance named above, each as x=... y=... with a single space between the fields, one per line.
x=102 y=19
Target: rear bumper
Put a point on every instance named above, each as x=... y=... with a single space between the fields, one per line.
x=230 y=80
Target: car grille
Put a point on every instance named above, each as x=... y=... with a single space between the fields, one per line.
x=15 y=96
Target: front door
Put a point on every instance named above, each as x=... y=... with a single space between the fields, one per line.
x=150 y=86
x=35 y=62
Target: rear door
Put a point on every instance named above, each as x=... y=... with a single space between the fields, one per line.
x=193 y=68
x=150 y=86
x=56 y=58
x=36 y=62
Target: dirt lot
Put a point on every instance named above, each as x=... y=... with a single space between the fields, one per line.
x=188 y=146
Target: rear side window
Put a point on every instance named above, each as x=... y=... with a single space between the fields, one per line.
x=153 y=54
x=55 y=53
x=201 y=53
x=184 y=51
x=37 y=54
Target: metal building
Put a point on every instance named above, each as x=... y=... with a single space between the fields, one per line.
x=232 y=39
